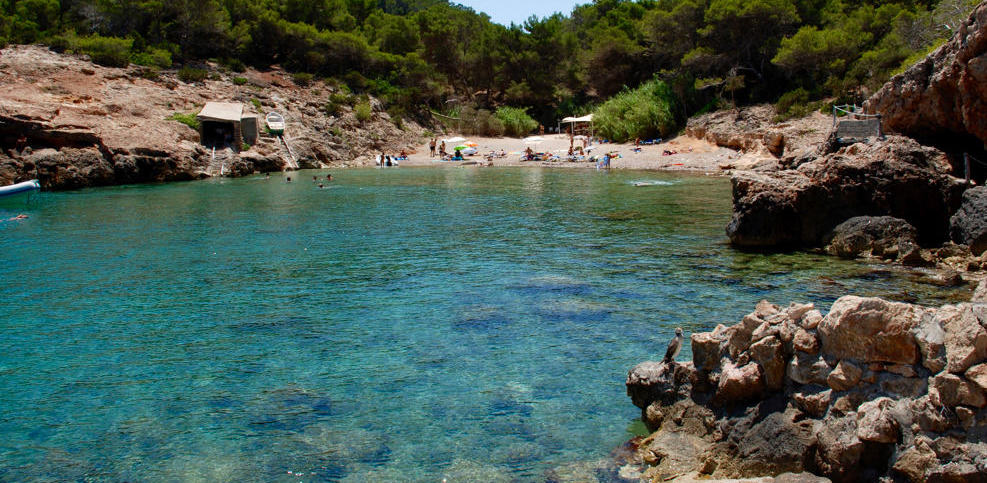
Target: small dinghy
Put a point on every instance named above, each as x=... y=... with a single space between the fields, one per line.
x=275 y=123
x=19 y=188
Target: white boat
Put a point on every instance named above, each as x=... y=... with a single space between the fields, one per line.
x=18 y=188
x=275 y=123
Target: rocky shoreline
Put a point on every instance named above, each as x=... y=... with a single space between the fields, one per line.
x=72 y=124
x=872 y=390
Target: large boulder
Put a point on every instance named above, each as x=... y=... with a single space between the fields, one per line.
x=650 y=381
x=871 y=330
x=845 y=376
x=779 y=442
x=708 y=348
x=874 y=234
x=875 y=422
x=965 y=338
x=980 y=293
x=653 y=381
x=839 y=452
x=752 y=130
x=952 y=390
x=931 y=339
x=738 y=384
x=894 y=177
x=942 y=97
x=969 y=225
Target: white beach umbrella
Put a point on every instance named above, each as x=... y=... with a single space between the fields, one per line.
x=533 y=140
x=454 y=140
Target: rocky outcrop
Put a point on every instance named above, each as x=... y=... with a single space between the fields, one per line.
x=873 y=390
x=797 y=207
x=871 y=235
x=752 y=130
x=944 y=95
x=969 y=225
x=72 y=124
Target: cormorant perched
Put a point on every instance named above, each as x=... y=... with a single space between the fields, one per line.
x=674 y=346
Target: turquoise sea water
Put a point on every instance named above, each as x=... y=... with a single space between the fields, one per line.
x=401 y=325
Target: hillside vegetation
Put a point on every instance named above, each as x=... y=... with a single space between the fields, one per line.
x=419 y=55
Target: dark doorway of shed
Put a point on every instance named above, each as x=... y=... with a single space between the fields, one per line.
x=217 y=134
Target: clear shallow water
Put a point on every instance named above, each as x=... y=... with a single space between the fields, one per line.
x=403 y=325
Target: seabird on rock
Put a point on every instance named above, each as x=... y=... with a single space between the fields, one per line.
x=674 y=346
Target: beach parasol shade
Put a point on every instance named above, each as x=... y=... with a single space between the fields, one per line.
x=533 y=140
x=462 y=146
x=472 y=144
x=456 y=139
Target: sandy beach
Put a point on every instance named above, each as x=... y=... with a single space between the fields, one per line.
x=691 y=154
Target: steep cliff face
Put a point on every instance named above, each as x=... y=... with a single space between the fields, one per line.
x=71 y=123
x=942 y=99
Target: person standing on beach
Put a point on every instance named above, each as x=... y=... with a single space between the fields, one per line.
x=442 y=148
x=431 y=148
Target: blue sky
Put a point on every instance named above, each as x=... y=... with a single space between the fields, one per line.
x=517 y=11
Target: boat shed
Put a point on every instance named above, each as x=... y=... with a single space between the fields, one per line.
x=224 y=124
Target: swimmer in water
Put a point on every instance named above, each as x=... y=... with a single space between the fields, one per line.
x=329 y=177
x=321 y=186
x=18 y=217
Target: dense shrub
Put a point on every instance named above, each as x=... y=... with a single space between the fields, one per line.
x=791 y=103
x=239 y=81
x=236 y=65
x=796 y=104
x=187 y=119
x=150 y=73
x=332 y=108
x=645 y=112
x=302 y=79
x=190 y=75
x=362 y=111
x=152 y=57
x=108 y=51
x=515 y=121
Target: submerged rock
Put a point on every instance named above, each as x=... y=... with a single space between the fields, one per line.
x=876 y=235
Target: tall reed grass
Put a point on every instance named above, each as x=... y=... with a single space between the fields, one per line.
x=645 y=112
x=516 y=121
